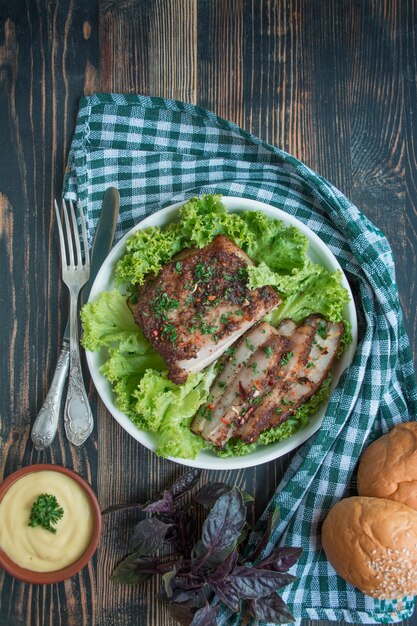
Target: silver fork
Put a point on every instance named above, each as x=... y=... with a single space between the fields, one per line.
x=78 y=419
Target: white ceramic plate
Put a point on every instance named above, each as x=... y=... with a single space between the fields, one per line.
x=318 y=253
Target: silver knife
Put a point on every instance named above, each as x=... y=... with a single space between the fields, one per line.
x=46 y=423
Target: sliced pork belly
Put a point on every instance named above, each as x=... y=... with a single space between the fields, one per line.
x=297 y=382
x=261 y=387
x=247 y=373
x=198 y=305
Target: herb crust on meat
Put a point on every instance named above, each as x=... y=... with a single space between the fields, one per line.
x=199 y=304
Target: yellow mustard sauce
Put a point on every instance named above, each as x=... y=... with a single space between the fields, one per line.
x=38 y=549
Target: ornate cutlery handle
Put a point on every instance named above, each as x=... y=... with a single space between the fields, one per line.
x=46 y=423
x=78 y=418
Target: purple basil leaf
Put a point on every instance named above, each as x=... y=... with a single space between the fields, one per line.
x=225 y=567
x=185 y=530
x=148 y=536
x=228 y=595
x=208 y=494
x=269 y=526
x=120 y=507
x=224 y=523
x=164 y=505
x=281 y=559
x=205 y=616
x=185 y=483
x=183 y=596
x=181 y=613
x=201 y=555
x=134 y=569
x=252 y=583
x=270 y=609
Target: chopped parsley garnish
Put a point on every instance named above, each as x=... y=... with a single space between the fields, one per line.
x=221 y=384
x=268 y=351
x=203 y=272
x=243 y=274
x=208 y=329
x=224 y=317
x=286 y=358
x=178 y=267
x=322 y=330
x=310 y=365
x=249 y=345
x=254 y=367
x=169 y=332
x=160 y=305
x=45 y=512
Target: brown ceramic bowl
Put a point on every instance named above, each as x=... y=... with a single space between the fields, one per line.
x=42 y=578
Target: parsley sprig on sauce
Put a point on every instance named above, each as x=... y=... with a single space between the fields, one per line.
x=45 y=512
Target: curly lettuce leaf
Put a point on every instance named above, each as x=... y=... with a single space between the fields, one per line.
x=122 y=364
x=146 y=251
x=320 y=292
x=282 y=248
x=237 y=447
x=107 y=321
x=167 y=409
x=202 y=219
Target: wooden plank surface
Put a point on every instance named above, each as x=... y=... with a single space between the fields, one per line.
x=333 y=83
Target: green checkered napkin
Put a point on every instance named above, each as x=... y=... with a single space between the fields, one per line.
x=157 y=152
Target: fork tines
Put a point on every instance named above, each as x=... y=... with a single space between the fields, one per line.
x=72 y=240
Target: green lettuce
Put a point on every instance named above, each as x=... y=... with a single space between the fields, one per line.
x=146 y=251
x=282 y=248
x=320 y=292
x=167 y=409
x=202 y=219
x=108 y=321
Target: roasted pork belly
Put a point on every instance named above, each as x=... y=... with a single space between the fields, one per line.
x=259 y=389
x=198 y=305
x=248 y=371
x=298 y=380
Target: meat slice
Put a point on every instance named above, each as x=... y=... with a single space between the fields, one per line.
x=298 y=381
x=246 y=375
x=198 y=305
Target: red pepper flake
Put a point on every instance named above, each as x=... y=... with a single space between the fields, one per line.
x=224 y=420
x=242 y=390
x=211 y=298
x=155 y=333
x=198 y=299
x=210 y=406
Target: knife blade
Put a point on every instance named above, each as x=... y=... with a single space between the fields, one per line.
x=46 y=423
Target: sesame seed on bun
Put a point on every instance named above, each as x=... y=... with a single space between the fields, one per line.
x=388 y=467
x=372 y=543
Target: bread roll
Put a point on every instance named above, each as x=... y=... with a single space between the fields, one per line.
x=372 y=543
x=388 y=467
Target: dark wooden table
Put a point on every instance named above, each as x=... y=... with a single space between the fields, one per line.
x=333 y=83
